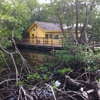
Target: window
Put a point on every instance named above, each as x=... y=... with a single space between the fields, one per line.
x=35 y=27
x=46 y=36
x=50 y=35
x=56 y=37
x=32 y=35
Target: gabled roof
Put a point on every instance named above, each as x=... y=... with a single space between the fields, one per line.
x=48 y=26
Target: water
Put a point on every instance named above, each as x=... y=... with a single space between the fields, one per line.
x=33 y=57
x=36 y=58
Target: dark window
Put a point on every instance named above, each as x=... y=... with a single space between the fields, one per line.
x=50 y=35
x=32 y=35
x=35 y=27
x=46 y=36
x=56 y=37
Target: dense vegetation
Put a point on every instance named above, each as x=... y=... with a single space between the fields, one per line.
x=76 y=67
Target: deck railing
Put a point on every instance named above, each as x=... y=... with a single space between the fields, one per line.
x=43 y=41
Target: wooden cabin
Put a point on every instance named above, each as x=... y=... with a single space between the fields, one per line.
x=45 y=32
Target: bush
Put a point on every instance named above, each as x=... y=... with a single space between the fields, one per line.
x=77 y=56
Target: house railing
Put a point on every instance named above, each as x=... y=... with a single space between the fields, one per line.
x=43 y=41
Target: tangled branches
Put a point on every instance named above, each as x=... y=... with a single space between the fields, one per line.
x=19 y=84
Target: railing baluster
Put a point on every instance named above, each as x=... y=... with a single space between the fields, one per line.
x=43 y=41
x=36 y=41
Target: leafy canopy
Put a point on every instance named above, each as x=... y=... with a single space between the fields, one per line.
x=13 y=15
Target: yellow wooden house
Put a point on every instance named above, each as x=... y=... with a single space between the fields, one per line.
x=44 y=32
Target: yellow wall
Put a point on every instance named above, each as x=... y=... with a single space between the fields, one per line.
x=55 y=41
x=38 y=32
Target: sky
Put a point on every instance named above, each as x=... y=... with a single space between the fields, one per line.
x=44 y=1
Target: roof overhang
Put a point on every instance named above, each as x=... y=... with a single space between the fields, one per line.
x=52 y=31
x=33 y=25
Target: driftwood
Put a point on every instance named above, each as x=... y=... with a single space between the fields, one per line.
x=72 y=84
x=79 y=87
x=96 y=84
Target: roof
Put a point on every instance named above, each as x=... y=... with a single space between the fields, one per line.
x=79 y=25
x=48 y=26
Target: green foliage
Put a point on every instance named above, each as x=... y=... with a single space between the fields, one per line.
x=97 y=50
x=33 y=76
x=92 y=68
x=45 y=77
x=95 y=30
x=41 y=68
x=99 y=80
x=13 y=15
x=29 y=87
x=54 y=86
x=78 y=56
x=71 y=53
x=35 y=11
x=64 y=71
x=19 y=83
x=44 y=71
x=44 y=57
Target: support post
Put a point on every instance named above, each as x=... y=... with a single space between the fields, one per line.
x=36 y=41
x=51 y=41
x=43 y=41
x=62 y=42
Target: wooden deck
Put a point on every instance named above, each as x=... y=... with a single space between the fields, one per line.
x=25 y=43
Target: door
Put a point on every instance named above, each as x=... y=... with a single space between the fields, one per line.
x=32 y=38
x=46 y=38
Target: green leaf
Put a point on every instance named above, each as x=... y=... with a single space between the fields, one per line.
x=19 y=83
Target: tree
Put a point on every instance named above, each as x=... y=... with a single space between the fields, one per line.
x=75 y=12
x=94 y=32
x=34 y=7
x=13 y=15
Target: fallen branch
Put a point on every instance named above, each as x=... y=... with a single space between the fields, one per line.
x=73 y=83
x=7 y=81
x=96 y=84
x=52 y=91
